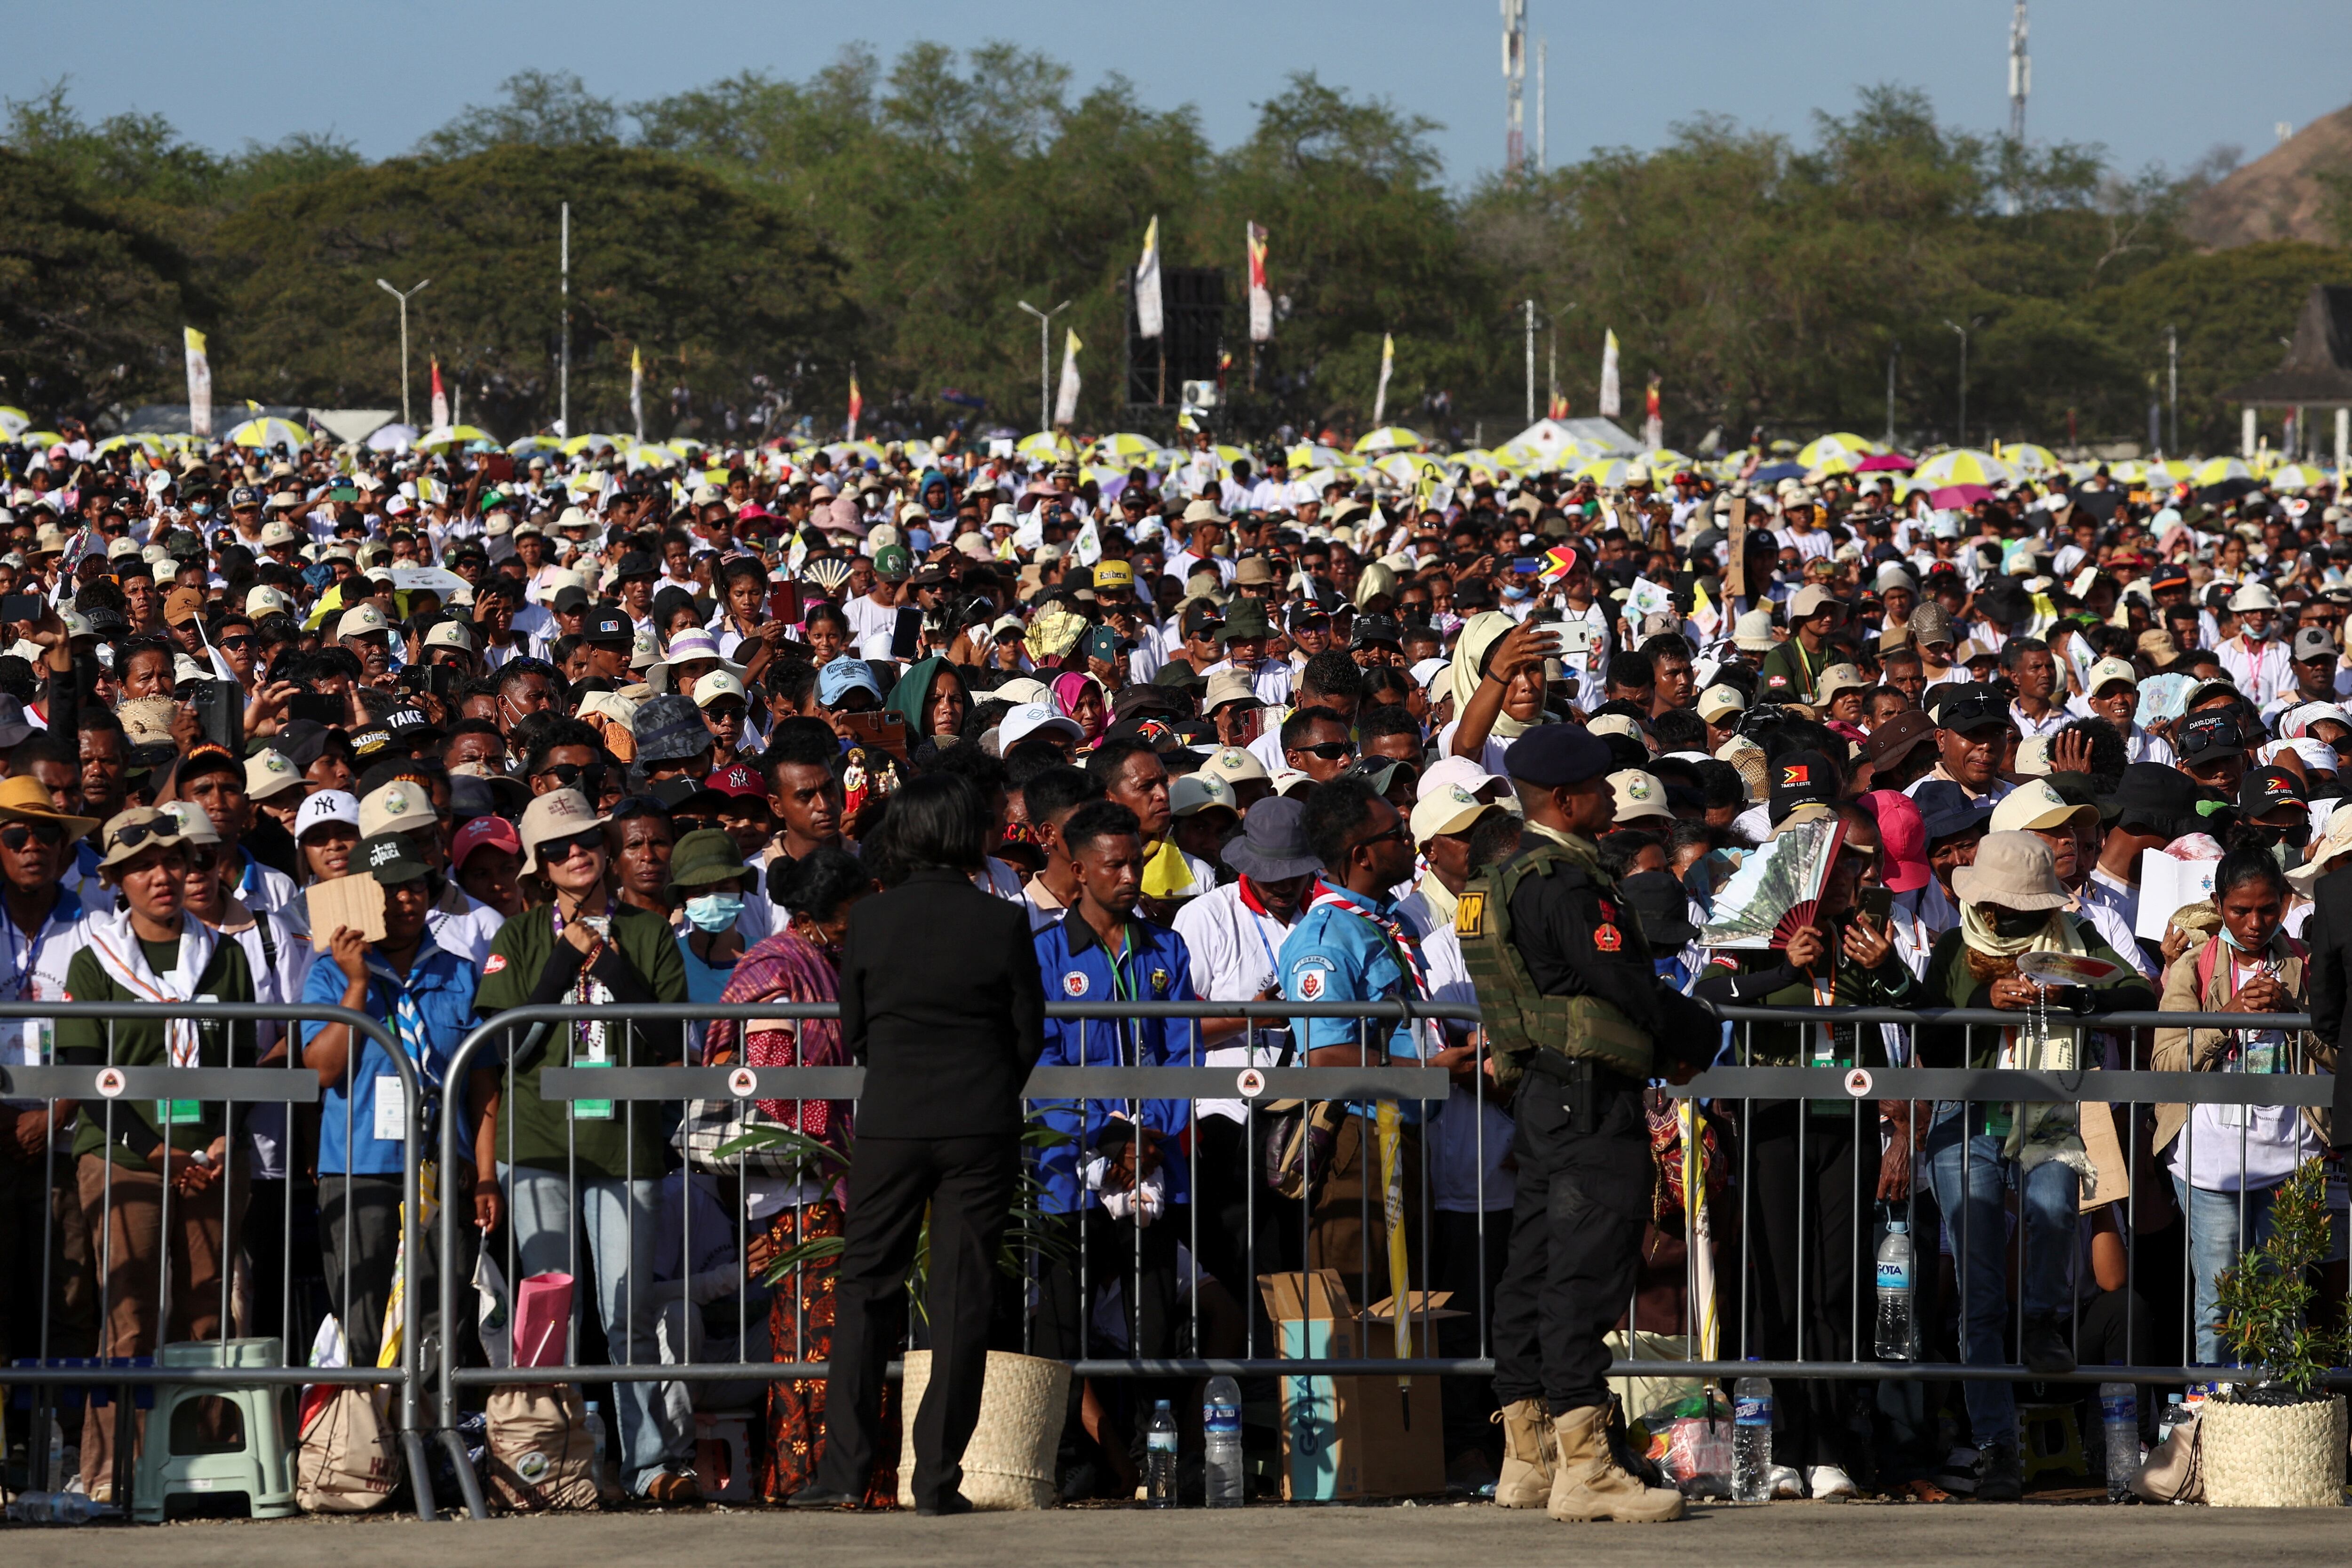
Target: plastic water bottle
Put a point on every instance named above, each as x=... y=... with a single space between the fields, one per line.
x=1221 y=1422
x=1159 y=1457
x=596 y=1418
x=56 y=1508
x=1751 y=1439
x=1895 y=1293
x=2119 y=1415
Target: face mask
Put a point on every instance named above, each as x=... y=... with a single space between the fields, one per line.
x=714 y=912
x=2019 y=923
x=1515 y=593
x=202 y=508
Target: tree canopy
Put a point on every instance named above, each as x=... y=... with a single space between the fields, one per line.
x=755 y=237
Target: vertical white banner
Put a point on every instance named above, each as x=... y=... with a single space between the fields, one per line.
x=1147 y=284
x=1260 y=295
x=200 y=388
x=1609 y=405
x=1387 y=364
x=637 y=391
x=1066 y=397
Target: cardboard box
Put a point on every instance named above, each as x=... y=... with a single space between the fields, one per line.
x=1354 y=1437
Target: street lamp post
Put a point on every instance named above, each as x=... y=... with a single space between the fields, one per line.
x=1963 y=331
x=1045 y=359
x=403 y=299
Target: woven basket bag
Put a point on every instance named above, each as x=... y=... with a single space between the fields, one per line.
x=2274 y=1456
x=1009 y=1463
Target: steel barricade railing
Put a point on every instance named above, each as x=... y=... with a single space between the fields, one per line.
x=1735 y=1079
x=1116 y=1079
x=625 y=1085
x=101 y=1085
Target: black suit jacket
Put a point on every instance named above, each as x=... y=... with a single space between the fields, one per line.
x=2328 y=936
x=941 y=1000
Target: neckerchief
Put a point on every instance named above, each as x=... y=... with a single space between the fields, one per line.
x=116 y=942
x=1400 y=939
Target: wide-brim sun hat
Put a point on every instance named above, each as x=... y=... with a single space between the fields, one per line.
x=2012 y=870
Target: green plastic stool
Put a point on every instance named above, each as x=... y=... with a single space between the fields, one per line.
x=2052 y=1441
x=249 y=1456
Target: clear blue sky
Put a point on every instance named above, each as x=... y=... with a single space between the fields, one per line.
x=2155 y=81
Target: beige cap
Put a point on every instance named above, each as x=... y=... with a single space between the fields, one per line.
x=1717 y=703
x=1639 y=794
x=1752 y=631
x=557 y=814
x=1449 y=808
x=264 y=600
x=1618 y=724
x=710 y=689
x=269 y=771
x=2035 y=805
x=450 y=634
x=1199 y=792
x=359 y=620
x=2106 y=672
x=1811 y=602
x=396 y=808
x=1234 y=765
x=1835 y=679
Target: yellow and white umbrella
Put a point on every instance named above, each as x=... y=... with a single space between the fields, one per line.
x=1388 y=438
x=2031 y=461
x=1664 y=463
x=531 y=443
x=1961 y=465
x=1127 y=448
x=145 y=443
x=586 y=441
x=2299 y=476
x=2219 y=470
x=2129 y=472
x=446 y=435
x=1409 y=469
x=1838 y=452
x=1045 y=446
x=1609 y=473
x=1315 y=454
x=13 y=422
x=269 y=431
x=653 y=455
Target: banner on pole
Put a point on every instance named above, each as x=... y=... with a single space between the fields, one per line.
x=1147 y=284
x=1066 y=397
x=1611 y=403
x=1261 y=297
x=200 y=387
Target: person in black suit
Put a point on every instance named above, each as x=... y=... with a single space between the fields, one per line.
x=2328 y=936
x=941 y=1000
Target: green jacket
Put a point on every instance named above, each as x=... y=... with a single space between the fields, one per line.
x=529 y=963
x=1950 y=985
x=1789 y=673
x=138 y=1126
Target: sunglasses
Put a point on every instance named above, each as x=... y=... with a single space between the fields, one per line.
x=17 y=835
x=586 y=844
x=233 y=645
x=1399 y=833
x=572 y=775
x=131 y=835
x=1329 y=751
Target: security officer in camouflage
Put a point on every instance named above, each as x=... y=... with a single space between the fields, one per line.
x=1577 y=1021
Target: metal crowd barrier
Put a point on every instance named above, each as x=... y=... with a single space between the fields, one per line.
x=1278 y=1232
x=126 y=1381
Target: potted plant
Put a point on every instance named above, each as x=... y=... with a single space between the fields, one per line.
x=1009 y=1462
x=2277 y=1440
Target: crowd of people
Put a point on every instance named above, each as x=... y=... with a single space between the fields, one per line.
x=603 y=737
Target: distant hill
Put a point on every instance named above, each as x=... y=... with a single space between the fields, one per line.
x=2274 y=197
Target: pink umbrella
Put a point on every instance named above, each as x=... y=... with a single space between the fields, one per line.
x=1956 y=496
x=1885 y=462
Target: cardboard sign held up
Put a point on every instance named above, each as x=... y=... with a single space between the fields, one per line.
x=353 y=901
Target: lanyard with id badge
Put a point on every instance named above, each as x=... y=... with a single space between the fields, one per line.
x=185 y=1050
x=1825 y=1052
x=589 y=1044
x=2250 y=1051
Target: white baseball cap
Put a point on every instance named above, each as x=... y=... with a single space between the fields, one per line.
x=328 y=806
x=1034 y=718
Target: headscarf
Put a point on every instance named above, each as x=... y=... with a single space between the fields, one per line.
x=1482 y=632
x=910 y=699
x=1373 y=580
x=1066 y=688
x=945 y=511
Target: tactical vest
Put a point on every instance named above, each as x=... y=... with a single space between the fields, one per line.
x=1520 y=1019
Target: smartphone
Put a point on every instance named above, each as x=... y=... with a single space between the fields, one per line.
x=1877 y=903
x=907 y=633
x=784 y=603
x=887 y=730
x=220 y=712
x=326 y=710
x=16 y=607
x=497 y=468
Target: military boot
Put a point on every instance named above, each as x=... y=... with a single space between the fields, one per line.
x=1526 y=1455
x=1587 y=1482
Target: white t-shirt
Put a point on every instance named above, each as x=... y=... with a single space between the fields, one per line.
x=1233 y=948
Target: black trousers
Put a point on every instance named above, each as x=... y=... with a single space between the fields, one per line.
x=967 y=1184
x=1805 y=1188
x=1470 y=1267
x=1575 y=1239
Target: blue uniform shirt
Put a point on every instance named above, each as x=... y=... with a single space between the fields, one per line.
x=443 y=986
x=1077 y=968
x=1332 y=956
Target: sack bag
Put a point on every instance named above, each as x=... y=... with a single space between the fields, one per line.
x=711 y=1125
x=346 y=1463
x=1299 y=1146
x=540 y=1456
x=2175 y=1472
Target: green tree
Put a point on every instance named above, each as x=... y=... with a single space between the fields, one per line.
x=715 y=286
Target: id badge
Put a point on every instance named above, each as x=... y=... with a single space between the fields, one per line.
x=1826 y=1055
x=39 y=1043
x=180 y=1113
x=589 y=1051
x=391 y=1110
